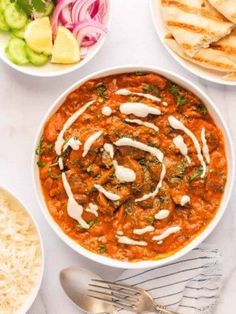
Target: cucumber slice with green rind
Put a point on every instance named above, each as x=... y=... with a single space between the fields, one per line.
x=16 y=51
x=36 y=58
x=4 y=4
x=14 y=17
x=19 y=33
x=3 y=25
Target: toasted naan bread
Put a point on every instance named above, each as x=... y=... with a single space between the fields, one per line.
x=226 y=7
x=195 y=24
x=220 y=56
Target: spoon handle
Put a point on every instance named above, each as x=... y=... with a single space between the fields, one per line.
x=160 y=309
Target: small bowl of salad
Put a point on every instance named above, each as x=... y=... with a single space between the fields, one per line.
x=51 y=38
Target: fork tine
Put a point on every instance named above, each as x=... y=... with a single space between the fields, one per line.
x=120 y=292
x=118 y=304
x=126 y=299
x=122 y=286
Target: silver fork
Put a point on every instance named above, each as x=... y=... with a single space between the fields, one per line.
x=130 y=298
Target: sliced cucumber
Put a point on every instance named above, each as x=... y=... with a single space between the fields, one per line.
x=3 y=25
x=36 y=58
x=14 y=17
x=16 y=51
x=19 y=33
x=49 y=9
x=4 y=4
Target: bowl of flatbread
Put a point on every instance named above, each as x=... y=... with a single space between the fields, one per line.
x=200 y=35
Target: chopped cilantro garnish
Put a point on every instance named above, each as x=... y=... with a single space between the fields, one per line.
x=133 y=98
x=180 y=169
x=164 y=198
x=221 y=189
x=29 y=6
x=54 y=176
x=140 y=73
x=142 y=162
x=38 y=5
x=181 y=101
x=198 y=172
x=202 y=108
x=102 y=249
x=40 y=164
x=66 y=140
x=174 y=90
x=50 y=146
x=151 y=89
x=151 y=219
x=147 y=88
x=102 y=91
x=93 y=222
x=39 y=150
x=128 y=208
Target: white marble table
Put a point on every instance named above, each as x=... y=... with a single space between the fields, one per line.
x=24 y=101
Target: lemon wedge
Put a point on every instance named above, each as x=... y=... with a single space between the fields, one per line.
x=38 y=35
x=66 y=47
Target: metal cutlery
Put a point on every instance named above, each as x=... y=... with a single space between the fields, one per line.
x=130 y=298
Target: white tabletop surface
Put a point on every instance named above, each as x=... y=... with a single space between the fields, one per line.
x=25 y=100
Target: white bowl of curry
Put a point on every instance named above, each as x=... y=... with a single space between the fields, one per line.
x=134 y=166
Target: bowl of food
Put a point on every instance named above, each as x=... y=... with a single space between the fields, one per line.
x=133 y=167
x=47 y=38
x=200 y=36
x=22 y=255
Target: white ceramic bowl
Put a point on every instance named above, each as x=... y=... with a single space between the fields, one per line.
x=161 y=30
x=32 y=296
x=228 y=189
x=49 y=69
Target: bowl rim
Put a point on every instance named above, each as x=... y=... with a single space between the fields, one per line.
x=32 y=296
x=185 y=63
x=199 y=238
x=71 y=67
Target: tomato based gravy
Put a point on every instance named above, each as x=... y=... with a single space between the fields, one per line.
x=132 y=166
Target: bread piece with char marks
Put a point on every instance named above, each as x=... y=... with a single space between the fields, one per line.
x=226 y=7
x=220 y=56
x=195 y=24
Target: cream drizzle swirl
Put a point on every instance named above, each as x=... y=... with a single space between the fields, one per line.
x=60 y=140
x=140 y=122
x=126 y=92
x=178 y=125
x=125 y=141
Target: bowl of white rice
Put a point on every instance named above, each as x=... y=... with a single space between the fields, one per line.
x=21 y=256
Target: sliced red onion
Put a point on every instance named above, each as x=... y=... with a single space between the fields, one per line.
x=84 y=10
x=103 y=9
x=84 y=18
x=86 y=28
x=65 y=15
x=93 y=10
x=70 y=26
x=56 y=13
x=88 y=41
x=76 y=9
x=91 y=25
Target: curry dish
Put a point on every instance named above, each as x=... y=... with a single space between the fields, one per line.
x=132 y=166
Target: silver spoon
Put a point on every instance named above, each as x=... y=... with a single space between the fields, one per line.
x=75 y=282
